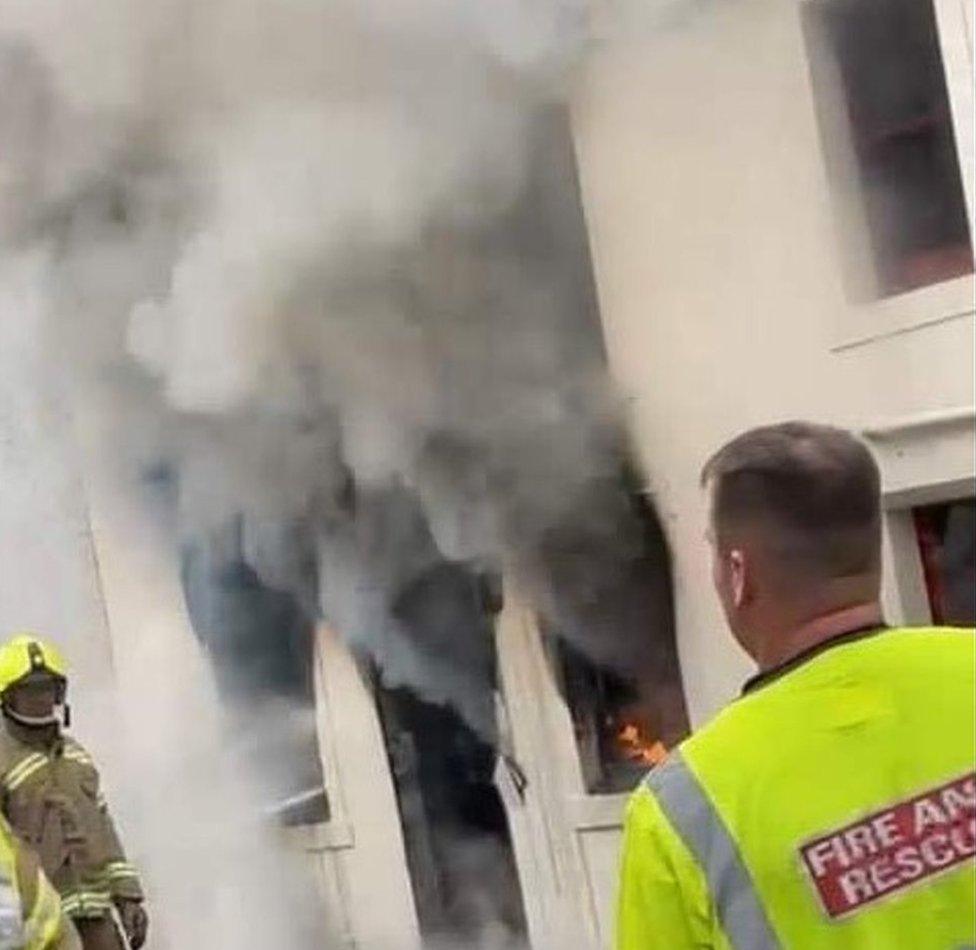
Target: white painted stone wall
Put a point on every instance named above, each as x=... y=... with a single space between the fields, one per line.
x=719 y=280
x=48 y=576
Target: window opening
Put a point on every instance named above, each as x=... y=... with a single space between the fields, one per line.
x=892 y=107
x=456 y=833
x=626 y=713
x=261 y=645
x=946 y=535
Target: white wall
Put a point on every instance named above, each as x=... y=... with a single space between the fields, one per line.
x=48 y=576
x=717 y=267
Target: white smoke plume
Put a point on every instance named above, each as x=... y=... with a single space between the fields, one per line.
x=328 y=263
x=322 y=246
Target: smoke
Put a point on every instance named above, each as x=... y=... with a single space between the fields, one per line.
x=326 y=263
x=487 y=898
x=341 y=284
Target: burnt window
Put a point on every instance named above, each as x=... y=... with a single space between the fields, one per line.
x=619 y=732
x=260 y=642
x=880 y=84
x=619 y=673
x=455 y=829
x=947 y=543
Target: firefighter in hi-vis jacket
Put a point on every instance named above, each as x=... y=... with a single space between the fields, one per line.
x=49 y=790
x=30 y=909
x=833 y=805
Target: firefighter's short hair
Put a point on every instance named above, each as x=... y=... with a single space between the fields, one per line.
x=813 y=490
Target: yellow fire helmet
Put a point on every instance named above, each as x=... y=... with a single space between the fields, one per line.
x=25 y=654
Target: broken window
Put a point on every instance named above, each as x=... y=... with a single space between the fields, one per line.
x=617 y=733
x=456 y=835
x=622 y=686
x=880 y=86
x=947 y=543
x=261 y=644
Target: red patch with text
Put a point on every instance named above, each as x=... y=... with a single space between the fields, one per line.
x=894 y=849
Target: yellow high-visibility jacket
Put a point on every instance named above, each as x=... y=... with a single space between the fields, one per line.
x=31 y=917
x=50 y=794
x=832 y=806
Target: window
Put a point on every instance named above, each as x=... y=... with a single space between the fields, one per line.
x=946 y=536
x=619 y=731
x=621 y=679
x=260 y=643
x=880 y=85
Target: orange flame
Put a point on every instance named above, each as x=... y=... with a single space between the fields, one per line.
x=638 y=748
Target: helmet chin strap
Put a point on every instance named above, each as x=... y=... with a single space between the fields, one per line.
x=36 y=722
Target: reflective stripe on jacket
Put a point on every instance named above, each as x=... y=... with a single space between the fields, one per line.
x=52 y=798
x=834 y=807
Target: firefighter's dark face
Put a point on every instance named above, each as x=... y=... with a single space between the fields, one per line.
x=35 y=697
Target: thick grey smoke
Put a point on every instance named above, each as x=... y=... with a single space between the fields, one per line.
x=334 y=261
x=329 y=262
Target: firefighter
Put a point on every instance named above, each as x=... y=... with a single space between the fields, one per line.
x=49 y=789
x=833 y=805
x=31 y=917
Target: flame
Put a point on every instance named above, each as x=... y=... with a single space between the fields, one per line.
x=639 y=748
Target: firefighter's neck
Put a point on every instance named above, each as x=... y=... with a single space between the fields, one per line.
x=807 y=632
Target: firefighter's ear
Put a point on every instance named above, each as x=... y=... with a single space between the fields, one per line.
x=737 y=577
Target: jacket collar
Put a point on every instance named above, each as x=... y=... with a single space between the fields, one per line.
x=766 y=677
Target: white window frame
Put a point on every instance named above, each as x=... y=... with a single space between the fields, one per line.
x=925 y=459
x=860 y=323
x=954 y=20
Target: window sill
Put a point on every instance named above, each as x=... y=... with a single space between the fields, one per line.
x=325 y=836
x=904 y=313
x=598 y=812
